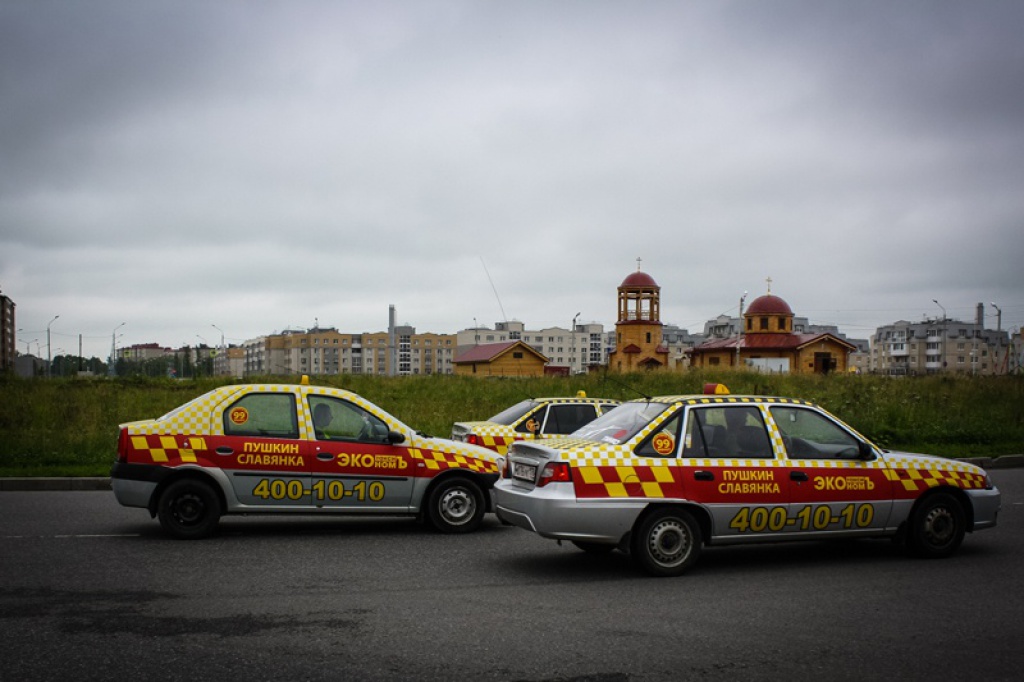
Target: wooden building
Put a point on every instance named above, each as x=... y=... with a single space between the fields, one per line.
x=508 y=359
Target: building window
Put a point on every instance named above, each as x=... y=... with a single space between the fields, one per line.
x=764 y=324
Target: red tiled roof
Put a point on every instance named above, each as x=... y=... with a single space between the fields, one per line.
x=490 y=351
x=772 y=342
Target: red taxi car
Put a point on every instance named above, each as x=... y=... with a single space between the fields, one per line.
x=280 y=448
x=663 y=477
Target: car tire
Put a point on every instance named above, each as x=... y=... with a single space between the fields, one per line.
x=937 y=526
x=667 y=542
x=189 y=509
x=456 y=505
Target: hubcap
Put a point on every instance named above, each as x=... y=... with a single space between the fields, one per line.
x=939 y=526
x=669 y=542
x=457 y=506
x=188 y=509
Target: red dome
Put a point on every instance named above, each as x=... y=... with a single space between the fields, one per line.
x=769 y=305
x=639 y=280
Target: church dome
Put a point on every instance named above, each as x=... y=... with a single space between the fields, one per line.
x=639 y=280
x=769 y=305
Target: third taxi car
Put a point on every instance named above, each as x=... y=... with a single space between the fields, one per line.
x=532 y=418
x=284 y=448
x=660 y=478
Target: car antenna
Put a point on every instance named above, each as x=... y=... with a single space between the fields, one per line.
x=628 y=388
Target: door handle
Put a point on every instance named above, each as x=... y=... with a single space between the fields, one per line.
x=703 y=476
x=324 y=456
x=797 y=476
x=224 y=450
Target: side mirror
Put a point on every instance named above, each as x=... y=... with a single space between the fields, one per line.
x=396 y=437
x=866 y=453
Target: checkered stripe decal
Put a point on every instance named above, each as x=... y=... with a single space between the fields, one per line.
x=628 y=481
x=435 y=460
x=914 y=480
x=164 y=449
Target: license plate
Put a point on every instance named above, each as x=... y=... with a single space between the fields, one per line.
x=524 y=472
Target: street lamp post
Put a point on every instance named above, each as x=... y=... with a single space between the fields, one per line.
x=999 y=336
x=739 y=331
x=112 y=368
x=942 y=346
x=220 y=349
x=573 y=332
x=49 y=356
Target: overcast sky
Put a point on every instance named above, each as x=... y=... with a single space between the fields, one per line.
x=259 y=166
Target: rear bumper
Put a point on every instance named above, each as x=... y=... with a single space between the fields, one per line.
x=554 y=512
x=134 y=484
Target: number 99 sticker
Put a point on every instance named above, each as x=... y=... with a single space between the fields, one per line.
x=239 y=415
x=664 y=444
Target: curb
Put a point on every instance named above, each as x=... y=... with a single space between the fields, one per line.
x=54 y=483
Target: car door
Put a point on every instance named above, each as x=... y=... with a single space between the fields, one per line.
x=836 y=484
x=260 y=450
x=354 y=464
x=730 y=466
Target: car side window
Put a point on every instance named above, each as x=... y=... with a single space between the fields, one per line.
x=535 y=419
x=727 y=431
x=267 y=415
x=563 y=419
x=664 y=442
x=810 y=435
x=336 y=419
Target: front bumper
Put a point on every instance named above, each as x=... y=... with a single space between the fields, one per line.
x=987 y=504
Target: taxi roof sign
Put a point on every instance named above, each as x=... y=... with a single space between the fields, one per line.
x=716 y=389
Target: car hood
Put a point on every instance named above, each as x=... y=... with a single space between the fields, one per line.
x=920 y=461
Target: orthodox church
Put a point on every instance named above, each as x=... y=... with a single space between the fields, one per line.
x=768 y=343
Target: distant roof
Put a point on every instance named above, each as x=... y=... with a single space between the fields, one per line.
x=489 y=351
x=769 y=304
x=639 y=279
x=773 y=341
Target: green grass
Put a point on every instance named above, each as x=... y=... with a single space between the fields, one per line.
x=68 y=427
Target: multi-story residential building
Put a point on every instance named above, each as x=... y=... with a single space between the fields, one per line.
x=320 y=351
x=940 y=345
x=141 y=352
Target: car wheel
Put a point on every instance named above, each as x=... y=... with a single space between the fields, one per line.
x=189 y=509
x=594 y=547
x=667 y=542
x=456 y=506
x=937 y=526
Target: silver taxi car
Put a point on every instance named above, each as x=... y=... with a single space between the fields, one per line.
x=661 y=478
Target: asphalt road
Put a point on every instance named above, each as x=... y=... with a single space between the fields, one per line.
x=90 y=590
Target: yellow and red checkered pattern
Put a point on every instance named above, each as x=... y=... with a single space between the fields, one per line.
x=166 y=449
x=436 y=460
x=655 y=481
x=914 y=480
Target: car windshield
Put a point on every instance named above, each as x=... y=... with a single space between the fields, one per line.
x=620 y=424
x=512 y=414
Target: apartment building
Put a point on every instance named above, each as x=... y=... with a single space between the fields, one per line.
x=941 y=345
x=326 y=351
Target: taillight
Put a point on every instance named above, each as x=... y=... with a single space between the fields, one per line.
x=122 y=446
x=474 y=439
x=554 y=472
